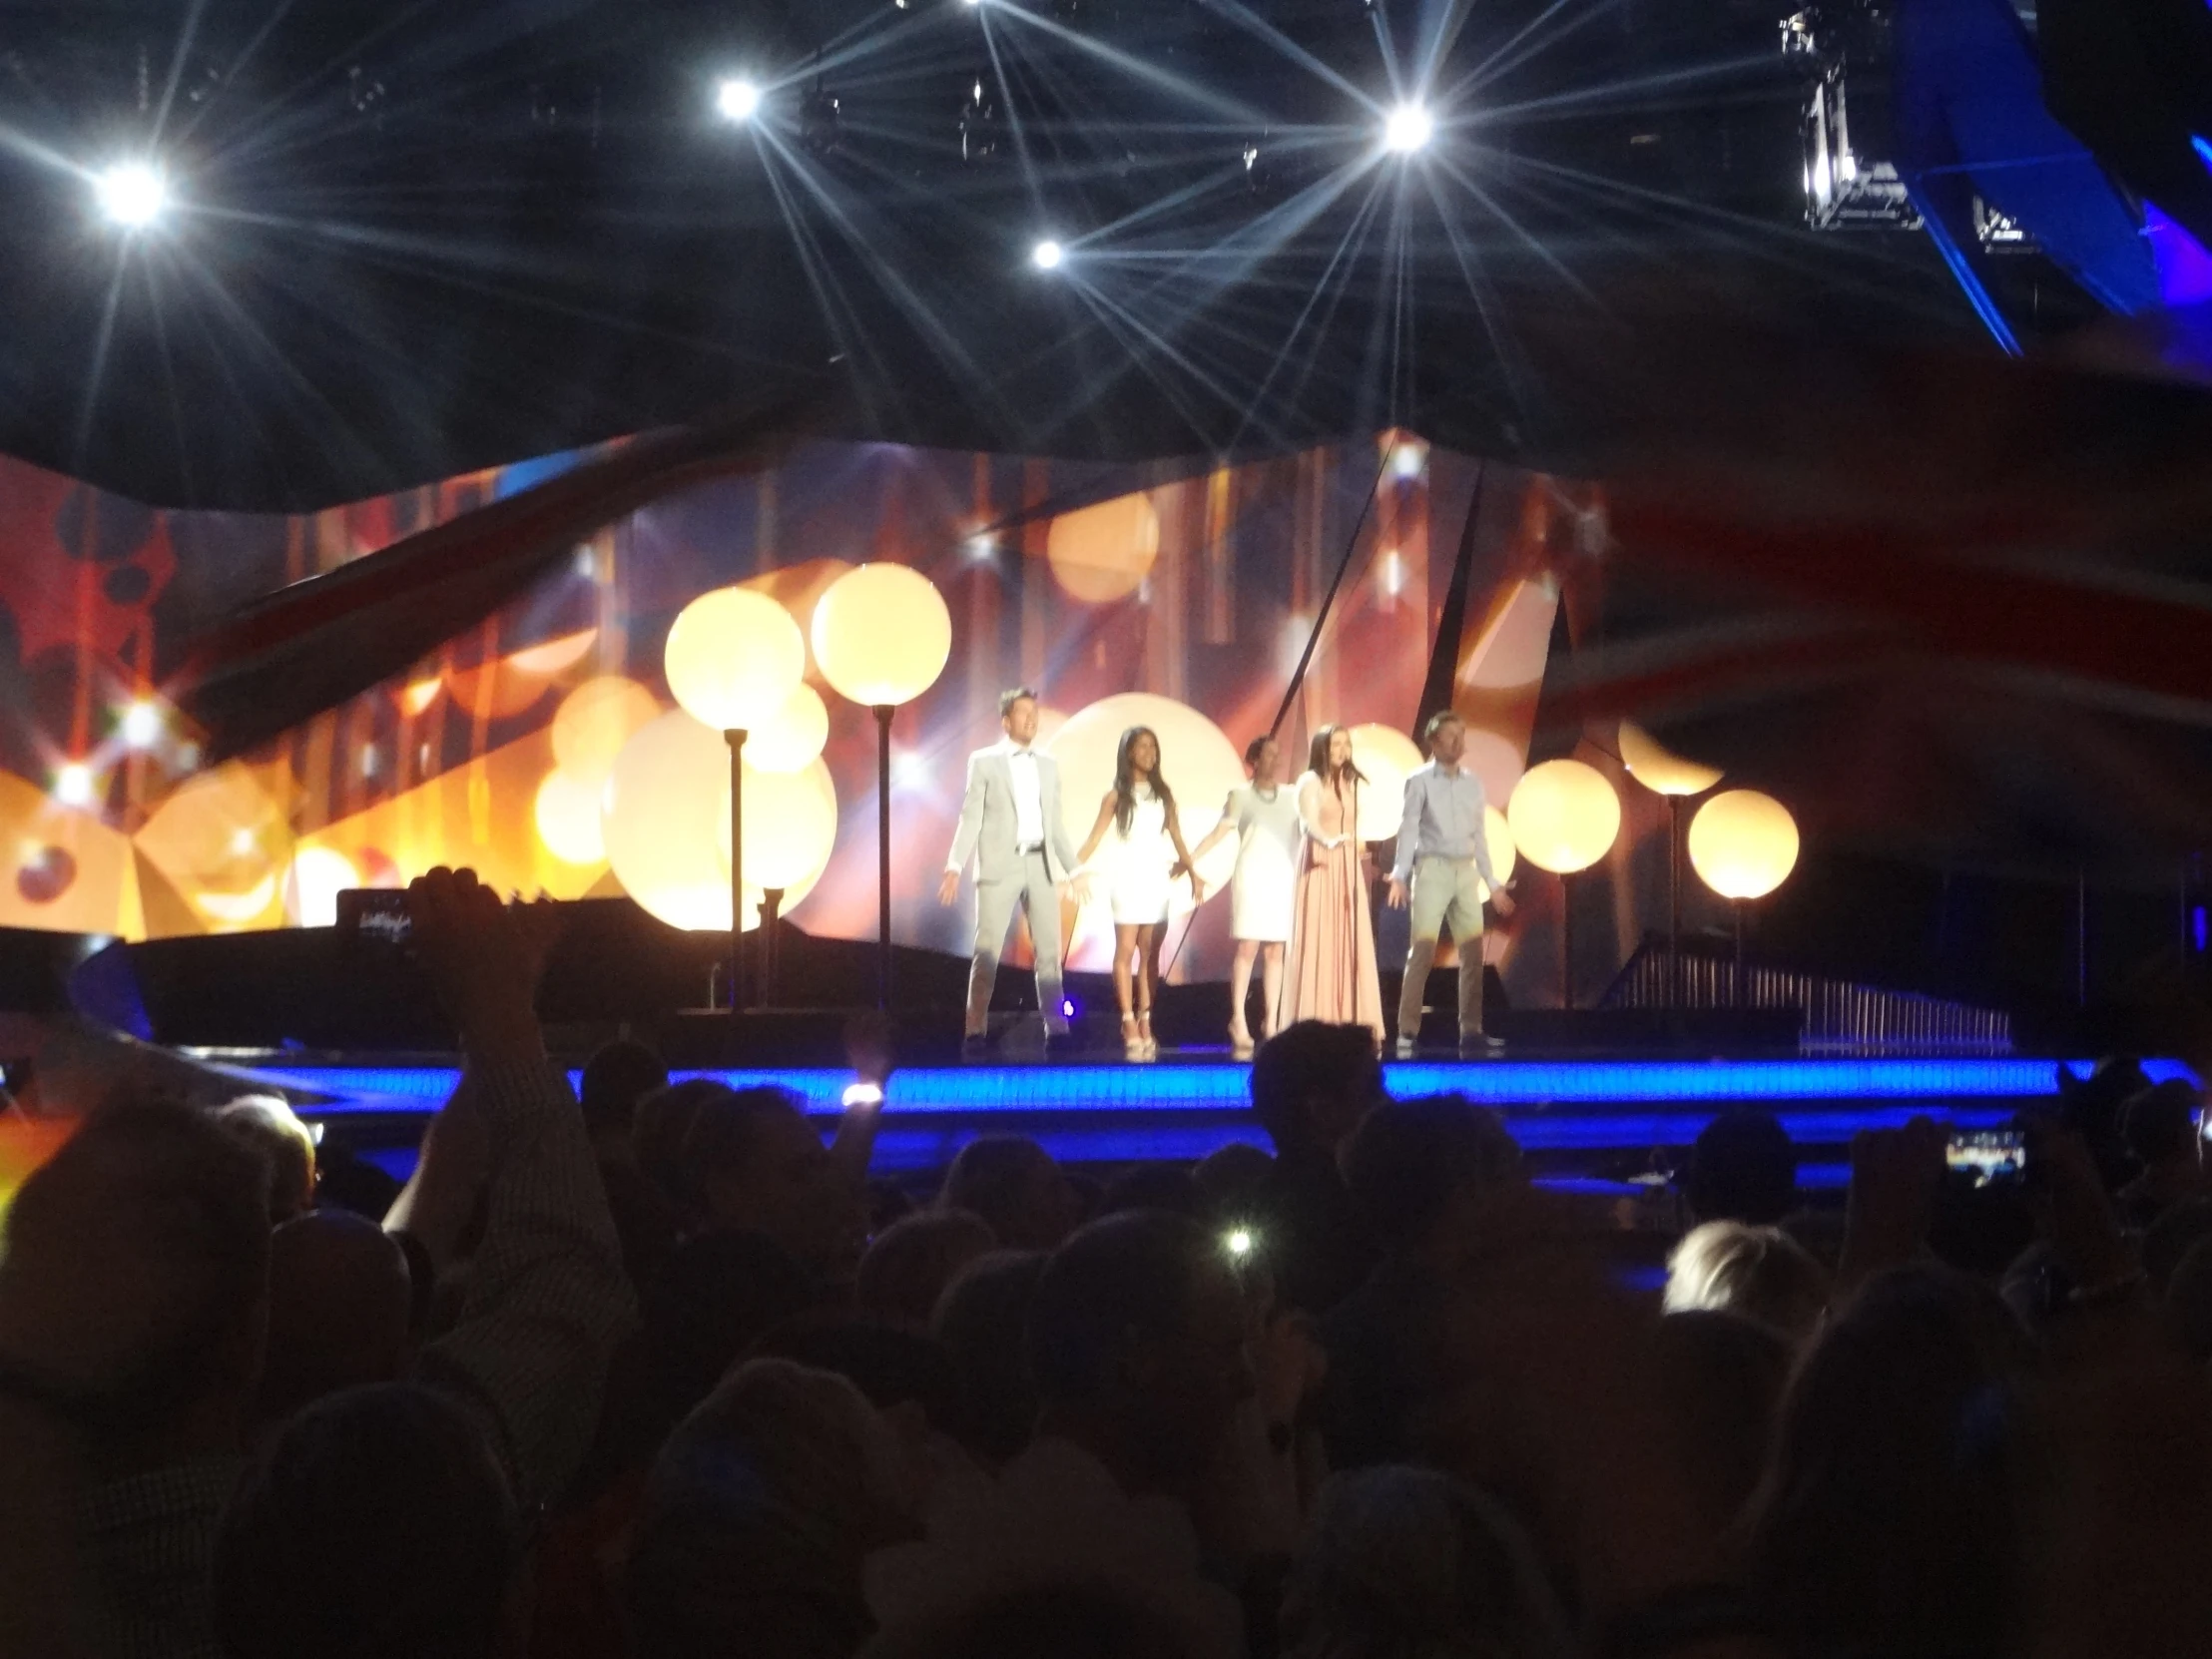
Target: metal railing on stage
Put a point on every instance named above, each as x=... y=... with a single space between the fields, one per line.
x=1840 y=1016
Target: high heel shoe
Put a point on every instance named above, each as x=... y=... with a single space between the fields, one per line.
x=1240 y=1043
x=1144 y=1030
x=1132 y=1038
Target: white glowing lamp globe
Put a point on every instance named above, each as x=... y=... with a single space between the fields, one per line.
x=732 y=658
x=882 y=634
x=566 y=814
x=1386 y=756
x=1564 y=815
x=665 y=820
x=1658 y=768
x=798 y=733
x=1743 y=845
x=789 y=840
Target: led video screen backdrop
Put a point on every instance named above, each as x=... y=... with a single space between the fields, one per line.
x=543 y=748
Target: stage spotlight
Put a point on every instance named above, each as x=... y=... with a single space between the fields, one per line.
x=1047 y=254
x=736 y=100
x=910 y=770
x=1409 y=128
x=141 y=725
x=73 y=785
x=132 y=195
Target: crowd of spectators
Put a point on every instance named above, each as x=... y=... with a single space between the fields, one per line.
x=652 y=1371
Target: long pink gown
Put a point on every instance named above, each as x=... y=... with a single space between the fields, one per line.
x=1331 y=974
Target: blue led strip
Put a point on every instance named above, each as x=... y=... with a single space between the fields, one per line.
x=1216 y=1088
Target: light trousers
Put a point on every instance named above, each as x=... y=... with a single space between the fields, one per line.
x=1447 y=893
x=995 y=903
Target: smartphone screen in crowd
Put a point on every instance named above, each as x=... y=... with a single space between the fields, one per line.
x=378 y=913
x=1988 y=1155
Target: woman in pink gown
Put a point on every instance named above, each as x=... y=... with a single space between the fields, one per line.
x=1331 y=974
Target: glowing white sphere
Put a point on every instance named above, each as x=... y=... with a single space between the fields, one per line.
x=881 y=634
x=795 y=737
x=1047 y=254
x=1564 y=815
x=1742 y=843
x=733 y=656
x=1408 y=128
x=1504 y=853
x=132 y=195
x=1388 y=756
x=665 y=816
x=594 y=722
x=1201 y=765
x=1659 y=767
x=736 y=100
x=566 y=814
x=791 y=825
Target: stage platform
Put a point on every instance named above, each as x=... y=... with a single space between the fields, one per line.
x=1595 y=1118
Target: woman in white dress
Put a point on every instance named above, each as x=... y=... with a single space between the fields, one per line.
x=1146 y=849
x=1263 y=815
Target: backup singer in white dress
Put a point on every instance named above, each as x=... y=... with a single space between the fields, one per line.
x=1263 y=815
x=1147 y=845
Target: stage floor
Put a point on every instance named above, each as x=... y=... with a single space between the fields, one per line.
x=1569 y=1114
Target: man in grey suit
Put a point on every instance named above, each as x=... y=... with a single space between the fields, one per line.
x=1010 y=823
x=1443 y=864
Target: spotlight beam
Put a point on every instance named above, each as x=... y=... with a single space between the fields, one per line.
x=1253 y=24
x=185 y=38
x=1528 y=42
x=1014 y=123
x=1210 y=98
x=245 y=328
x=1145 y=363
x=836 y=310
x=1442 y=39
x=1581 y=100
x=30 y=149
x=1155 y=209
x=1534 y=243
x=934 y=332
x=1502 y=347
x=1353 y=233
x=101 y=339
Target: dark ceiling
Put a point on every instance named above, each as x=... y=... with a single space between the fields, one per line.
x=415 y=239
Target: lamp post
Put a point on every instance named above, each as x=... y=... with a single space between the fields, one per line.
x=734 y=659
x=882 y=636
x=1665 y=772
x=1743 y=846
x=1564 y=816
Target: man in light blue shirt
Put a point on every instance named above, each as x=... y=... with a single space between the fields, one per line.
x=1443 y=858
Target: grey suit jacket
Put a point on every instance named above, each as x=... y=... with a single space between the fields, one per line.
x=986 y=828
